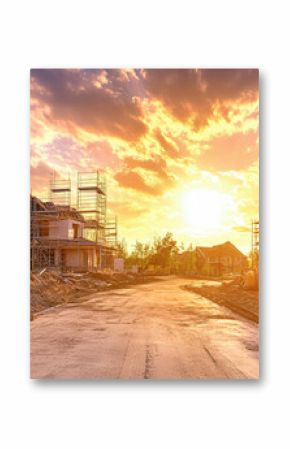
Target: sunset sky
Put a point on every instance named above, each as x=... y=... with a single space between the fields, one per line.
x=179 y=147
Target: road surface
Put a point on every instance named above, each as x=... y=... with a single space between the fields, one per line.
x=151 y=331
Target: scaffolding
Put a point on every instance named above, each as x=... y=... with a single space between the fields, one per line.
x=42 y=250
x=92 y=204
x=255 y=242
x=43 y=255
x=60 y=190
x=111 y=231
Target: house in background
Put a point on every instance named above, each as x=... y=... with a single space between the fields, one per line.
x=219 y=260
x=57 y=240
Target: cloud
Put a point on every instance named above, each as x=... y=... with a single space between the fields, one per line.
x=132 y=180
x=137 y=172
x=126 y=210
x=236 y=152
x=157 y=165
x=101 y=153
x=242 y=229
x=99 y=102
x=168 y=146
x=193 y=94
x=40 y=174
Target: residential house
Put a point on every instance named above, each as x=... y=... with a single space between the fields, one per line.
x=219 y=260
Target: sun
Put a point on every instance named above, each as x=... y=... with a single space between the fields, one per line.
x=205 y=210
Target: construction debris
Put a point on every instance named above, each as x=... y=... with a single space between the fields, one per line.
x=51 y=288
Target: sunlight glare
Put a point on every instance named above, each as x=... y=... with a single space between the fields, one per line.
x=205 y=209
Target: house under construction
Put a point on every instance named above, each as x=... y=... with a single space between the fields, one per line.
x=80 y=238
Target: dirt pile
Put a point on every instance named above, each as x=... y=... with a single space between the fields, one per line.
x=232 y=295
x=48 y=289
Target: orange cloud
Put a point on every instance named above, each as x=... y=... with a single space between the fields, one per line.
x=235 y=152
x=190 y=94
x=132 y=180
x=74 y=100
x=168 y=146
x=40 y=173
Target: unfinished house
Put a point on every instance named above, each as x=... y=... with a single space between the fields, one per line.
x=73 y=238
x=218 y=260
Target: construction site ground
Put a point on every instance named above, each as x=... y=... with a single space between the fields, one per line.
x=230 y=294
x=157 y=330
x=51 y=288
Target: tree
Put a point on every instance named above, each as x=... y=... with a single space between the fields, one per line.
x=164 y=250
x=122 y=249
x=139 y=255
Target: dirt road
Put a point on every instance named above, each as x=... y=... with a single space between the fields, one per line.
x=151 y=331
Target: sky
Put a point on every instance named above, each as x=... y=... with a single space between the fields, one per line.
x=178 y=147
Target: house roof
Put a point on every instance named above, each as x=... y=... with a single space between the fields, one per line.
x=68 y=243
x=51 y=211
x=224 y=249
